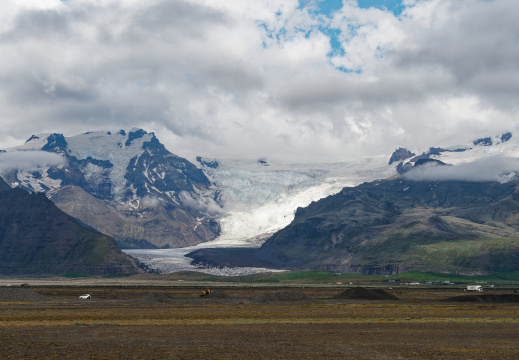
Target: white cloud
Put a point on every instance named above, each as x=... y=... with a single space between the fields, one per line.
x=150 y=202
x=223 y=78
x=488 y=169
x=204 y=205
x=28 y=160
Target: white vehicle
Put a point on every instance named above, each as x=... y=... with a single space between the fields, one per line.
x=86 y=296
x=474 y=288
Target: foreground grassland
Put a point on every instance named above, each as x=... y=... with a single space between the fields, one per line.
x=119 y=324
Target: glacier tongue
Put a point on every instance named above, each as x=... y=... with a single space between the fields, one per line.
x=172 y=260
x=258 y=200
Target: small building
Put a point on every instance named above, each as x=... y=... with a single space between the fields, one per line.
x=478 y=288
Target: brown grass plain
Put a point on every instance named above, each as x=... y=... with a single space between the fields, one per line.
x=118 y=324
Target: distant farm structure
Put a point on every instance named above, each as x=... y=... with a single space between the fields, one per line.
x=477 y=288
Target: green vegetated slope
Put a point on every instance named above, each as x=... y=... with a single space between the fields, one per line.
x=36 y=238
x=392 y=226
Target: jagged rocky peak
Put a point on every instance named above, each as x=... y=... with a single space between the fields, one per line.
x=506 y=136
x=400 y=154
x=33 y=137
x=425 y=158
x=136 y=133
x=56 y=143
x=122 y=166
x=489 y=141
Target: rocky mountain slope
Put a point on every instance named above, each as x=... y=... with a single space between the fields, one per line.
x=37 y=238
x=126 y=185
x=390 y=226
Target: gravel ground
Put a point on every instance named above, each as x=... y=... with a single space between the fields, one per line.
x=176 y=323
x=282 y=296
x=20 y=294
x=155 y=297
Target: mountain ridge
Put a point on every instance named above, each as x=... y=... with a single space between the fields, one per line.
x=134 y=177
x=36 y=238
x=388 y=226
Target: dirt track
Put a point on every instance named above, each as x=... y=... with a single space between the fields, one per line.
x=119 y=323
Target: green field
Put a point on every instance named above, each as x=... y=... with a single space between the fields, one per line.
x=323 y=278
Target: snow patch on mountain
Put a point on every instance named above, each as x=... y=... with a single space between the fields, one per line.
x=106 y=148
x=471 y=152
x=114 y=148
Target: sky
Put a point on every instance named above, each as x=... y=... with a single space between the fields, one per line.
x=294 y=80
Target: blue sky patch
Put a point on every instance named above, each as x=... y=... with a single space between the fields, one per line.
x=395 y=6
x=323 y=7
x=328 y=7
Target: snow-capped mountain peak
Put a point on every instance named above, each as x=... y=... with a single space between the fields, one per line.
x=132 y=171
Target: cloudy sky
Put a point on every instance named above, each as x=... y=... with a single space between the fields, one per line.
x=305 y=80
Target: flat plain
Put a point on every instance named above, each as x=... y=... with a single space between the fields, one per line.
x=240 y=322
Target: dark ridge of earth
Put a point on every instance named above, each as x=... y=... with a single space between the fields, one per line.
x=155 y=297
x=503 y=298
x=229 y=257
x=360 y=293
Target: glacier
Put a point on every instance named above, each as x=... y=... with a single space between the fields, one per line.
x=258 y=200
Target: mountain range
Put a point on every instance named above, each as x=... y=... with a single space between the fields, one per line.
x=336 y=217
x=453 y=223
x=124 y=184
